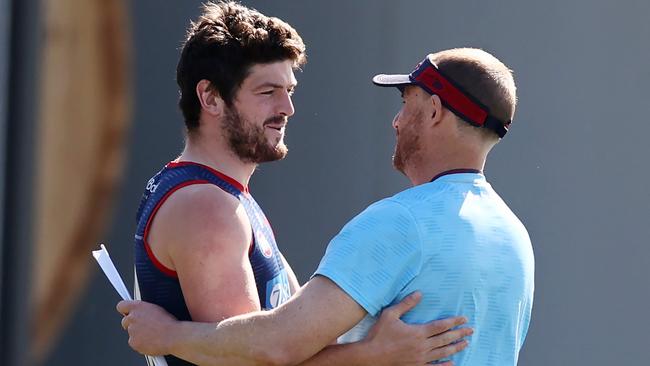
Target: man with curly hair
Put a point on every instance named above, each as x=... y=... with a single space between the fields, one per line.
x=204 y=251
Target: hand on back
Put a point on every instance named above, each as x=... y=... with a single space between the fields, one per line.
x=398 y=343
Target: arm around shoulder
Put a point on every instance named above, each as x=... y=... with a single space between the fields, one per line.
x=287 y=335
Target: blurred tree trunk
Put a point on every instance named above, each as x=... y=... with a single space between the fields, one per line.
x=85 y=97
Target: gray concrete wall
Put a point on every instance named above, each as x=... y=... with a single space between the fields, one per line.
x=573 y=166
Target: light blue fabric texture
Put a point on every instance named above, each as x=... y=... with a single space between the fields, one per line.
x=457 y=242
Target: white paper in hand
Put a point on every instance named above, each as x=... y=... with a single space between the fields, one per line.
x=105 y=262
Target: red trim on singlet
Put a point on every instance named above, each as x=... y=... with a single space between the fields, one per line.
x=161 y=267
x=219 y=174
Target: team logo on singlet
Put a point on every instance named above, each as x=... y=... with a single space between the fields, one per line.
x=263 y=243
x=277 y=291
x=152 y=185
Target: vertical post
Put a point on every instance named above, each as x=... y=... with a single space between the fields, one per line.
x=5 y=20
x=19 y=62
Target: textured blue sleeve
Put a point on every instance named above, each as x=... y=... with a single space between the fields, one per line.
x=375 y=255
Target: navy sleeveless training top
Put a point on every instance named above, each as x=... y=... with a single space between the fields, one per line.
x=158 y=284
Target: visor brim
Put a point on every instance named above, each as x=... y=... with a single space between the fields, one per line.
x=392 y=80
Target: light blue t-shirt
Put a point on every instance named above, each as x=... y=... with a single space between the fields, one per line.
x=458 y=243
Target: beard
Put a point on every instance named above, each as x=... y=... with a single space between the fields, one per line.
x=408 y=144
x=248 y=140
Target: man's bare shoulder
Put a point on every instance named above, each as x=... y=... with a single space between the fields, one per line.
x=202 y=199
x=203 y=234
x=200 y=216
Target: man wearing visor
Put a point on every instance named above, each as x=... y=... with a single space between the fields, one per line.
x=450 y=237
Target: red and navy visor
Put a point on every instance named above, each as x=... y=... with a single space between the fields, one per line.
x=428 y=77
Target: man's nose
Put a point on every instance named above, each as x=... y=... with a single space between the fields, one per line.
x=395 y=119
x=285 y=106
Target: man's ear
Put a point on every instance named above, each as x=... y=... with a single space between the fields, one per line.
x=209 y=98
x=435 y=110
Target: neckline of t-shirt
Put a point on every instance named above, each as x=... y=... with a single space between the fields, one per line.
x=455 y=172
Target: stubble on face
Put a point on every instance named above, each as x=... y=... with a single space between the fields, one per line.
x=248 y=141
x=408 y=143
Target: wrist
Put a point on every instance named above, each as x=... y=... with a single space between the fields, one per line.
x=172 y=344
x=372 y=355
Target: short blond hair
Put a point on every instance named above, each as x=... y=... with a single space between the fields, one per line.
x=482 y=76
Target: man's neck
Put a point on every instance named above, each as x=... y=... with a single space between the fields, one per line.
x=425 y=169
x=217 y=155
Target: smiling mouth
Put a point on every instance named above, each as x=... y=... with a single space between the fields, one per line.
x=277 y=128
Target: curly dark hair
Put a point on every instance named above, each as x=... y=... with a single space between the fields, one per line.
x=222 y=46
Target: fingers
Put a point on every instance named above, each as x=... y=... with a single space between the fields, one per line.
x=125 y=322
x=449 y=337
x=439 y=326
x=124 y=307
x=448 y=350
x=405 y=305
x=443 y=345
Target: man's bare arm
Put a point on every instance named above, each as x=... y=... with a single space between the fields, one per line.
x=203 y=234
x=287 y=335
x=392 y=342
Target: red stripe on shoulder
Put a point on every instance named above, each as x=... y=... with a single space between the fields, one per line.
x=161 y=267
